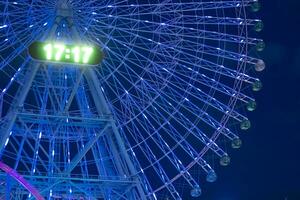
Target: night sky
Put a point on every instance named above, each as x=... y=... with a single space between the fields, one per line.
x=268 y=164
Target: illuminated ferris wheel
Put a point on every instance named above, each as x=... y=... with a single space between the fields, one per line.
x=119 y=99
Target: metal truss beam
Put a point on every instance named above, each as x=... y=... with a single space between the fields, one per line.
x=74 y=121
x=82 y=153
x=20 y=97
x=103 y=108
x=75 y=88
x=17 y=103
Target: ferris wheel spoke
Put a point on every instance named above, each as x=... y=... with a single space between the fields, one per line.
x=180 y=140
x=151 y=8
x=210 y=82
x=204 y=139
x=160 y=172
x=180 y=88
x=204 y=49
x=179 y=23
x=219 y=69
x=173 y=158
x=191 y=33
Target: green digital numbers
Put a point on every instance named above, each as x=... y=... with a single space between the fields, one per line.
x=76 y=53
x=48 y=49
x=59 y=50
x=87 y=52
x=65 y=53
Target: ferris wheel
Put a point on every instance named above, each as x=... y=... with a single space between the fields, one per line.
x=123 y=99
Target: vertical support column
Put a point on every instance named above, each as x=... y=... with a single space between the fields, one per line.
x=103 y=108
x=20 y=96
x=17 y=103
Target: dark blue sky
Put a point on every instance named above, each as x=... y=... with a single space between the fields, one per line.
x=268 y=165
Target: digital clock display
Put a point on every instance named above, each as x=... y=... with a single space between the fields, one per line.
x=65 y=53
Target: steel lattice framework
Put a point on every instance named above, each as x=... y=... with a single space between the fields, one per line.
x=149 y=121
